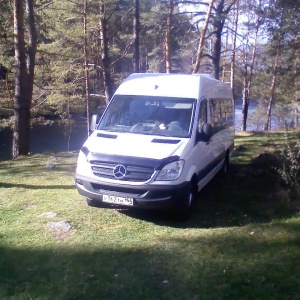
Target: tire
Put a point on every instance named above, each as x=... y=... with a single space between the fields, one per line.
x=225 y=166
x=184 y=211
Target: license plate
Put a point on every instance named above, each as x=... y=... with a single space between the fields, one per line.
x=118 y=200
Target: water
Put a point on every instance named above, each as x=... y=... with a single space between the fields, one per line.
x=282 y=117
x=47 y=138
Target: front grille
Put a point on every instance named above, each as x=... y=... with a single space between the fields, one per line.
x=133 y=173
x=119 y=189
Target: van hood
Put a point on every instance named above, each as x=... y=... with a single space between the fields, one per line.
x=135 y=145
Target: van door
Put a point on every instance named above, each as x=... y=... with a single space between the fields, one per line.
x=203 y=152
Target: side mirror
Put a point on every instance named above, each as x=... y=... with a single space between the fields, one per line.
x=94 y=121
x=206 y=132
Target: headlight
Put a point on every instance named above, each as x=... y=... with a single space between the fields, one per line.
x=171 y=171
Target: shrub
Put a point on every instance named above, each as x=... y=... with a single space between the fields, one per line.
x=289 y=157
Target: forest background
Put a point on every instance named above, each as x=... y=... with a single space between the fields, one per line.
x=78 y=51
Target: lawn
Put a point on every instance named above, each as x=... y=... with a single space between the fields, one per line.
x=242 y=241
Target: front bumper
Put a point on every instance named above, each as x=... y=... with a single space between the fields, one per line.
x=144 y=196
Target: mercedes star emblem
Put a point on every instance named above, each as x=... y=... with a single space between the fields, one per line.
x=119 y=171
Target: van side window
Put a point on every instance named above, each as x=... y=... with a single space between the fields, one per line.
x=221 y=113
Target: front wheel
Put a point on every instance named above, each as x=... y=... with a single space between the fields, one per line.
x=183 y=212
x=225 y=166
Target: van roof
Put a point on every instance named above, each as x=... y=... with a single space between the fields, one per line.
x=174 y=85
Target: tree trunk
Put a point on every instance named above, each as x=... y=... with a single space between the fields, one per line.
x=272 y=91
x=217 y=55
x=202 y=38
x=107 y=81
x=218 y=25
x=245 y=104
x=223 y=78
x=252 y=63
x=32 y=45
x=136 y=36
x=296 y=113
x=24 y=76
x=232 y=63
x=296 y=103
x=248 y=82
x=218 y=21
x=248 y=76
x=168 y=37
x=86 y=66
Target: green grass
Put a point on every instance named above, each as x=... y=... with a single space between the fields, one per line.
x=242 y=242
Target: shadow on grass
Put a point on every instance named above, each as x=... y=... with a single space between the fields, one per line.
x=214 y=267
x=251 y=193
x=35 y=169
x=36 y=187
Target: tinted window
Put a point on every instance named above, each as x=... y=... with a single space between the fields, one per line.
x=221 y=113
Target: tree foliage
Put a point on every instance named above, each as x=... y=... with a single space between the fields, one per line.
x=59 y=82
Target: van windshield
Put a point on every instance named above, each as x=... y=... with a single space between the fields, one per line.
x=153 y=115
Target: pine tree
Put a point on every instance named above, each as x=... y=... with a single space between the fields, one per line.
x=25 y=63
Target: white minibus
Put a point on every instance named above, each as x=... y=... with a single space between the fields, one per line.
x=160 y=140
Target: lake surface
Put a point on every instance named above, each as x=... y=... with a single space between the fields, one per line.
x=282 y=117
x=47 y=138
